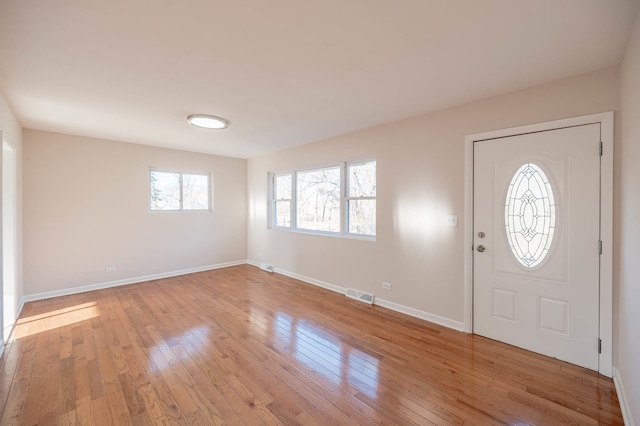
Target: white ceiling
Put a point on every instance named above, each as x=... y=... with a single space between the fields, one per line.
x=284 y=72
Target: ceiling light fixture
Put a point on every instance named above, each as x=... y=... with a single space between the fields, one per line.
x=207 y=121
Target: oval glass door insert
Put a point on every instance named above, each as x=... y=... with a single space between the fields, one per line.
x=530 y=215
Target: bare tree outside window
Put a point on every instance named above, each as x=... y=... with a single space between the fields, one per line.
x=171 y=191
x=318 y=199
x=165 y=190
x=195 y=192
x=282 y=188
x=361 y=198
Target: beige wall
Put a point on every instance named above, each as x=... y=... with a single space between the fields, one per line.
x=12 y=134
x=86 y=208
x=420 y=180
x=629 y=222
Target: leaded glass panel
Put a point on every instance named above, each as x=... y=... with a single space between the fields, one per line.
x=530 y=215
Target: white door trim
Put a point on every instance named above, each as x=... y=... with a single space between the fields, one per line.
x=606 y=222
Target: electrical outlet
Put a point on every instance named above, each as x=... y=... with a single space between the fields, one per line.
x=386 y=286
x=111 y=268
x=452 y=220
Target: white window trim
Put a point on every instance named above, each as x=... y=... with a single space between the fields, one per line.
x=181 y=173
x=344 y=213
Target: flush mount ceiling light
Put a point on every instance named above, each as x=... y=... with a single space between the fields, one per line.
x=208 y=121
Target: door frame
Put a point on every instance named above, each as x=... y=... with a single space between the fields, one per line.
x=606 y=122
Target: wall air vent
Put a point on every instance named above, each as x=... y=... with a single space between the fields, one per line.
x=360 y=295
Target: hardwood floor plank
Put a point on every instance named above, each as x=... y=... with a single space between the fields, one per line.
x=67 y=401
x=117 y=405
x=48 y=396
x=32 y=402
x=13 y=410
x=241 y=346
x=10 y=359
x=100 y=410
x=84 y=411
x=96 y=383
x=135 y=404
x=152 y=405
x=68 y=419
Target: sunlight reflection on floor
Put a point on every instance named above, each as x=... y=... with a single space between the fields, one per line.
x=336 y=361
x=53 y=319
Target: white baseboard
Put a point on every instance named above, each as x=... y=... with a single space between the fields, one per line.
x=416 y=313
x=622 y=397
x=313 y=281
x=99 y=286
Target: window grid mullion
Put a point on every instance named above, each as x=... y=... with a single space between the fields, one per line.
x=344 y=201
x=360 y=198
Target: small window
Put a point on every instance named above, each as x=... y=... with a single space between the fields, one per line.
x=361 y=198
x=173 y=191
x=282 y=199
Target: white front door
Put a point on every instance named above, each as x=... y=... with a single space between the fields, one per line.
x=536 y=240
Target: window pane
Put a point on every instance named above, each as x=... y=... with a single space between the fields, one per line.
x=283 y=213
x=195 y=192
x=283 y=187
x=165 y=190
x=318 y=200
x=362 y=217
x=362 y=179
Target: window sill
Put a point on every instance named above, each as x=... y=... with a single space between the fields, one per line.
x=371 y=238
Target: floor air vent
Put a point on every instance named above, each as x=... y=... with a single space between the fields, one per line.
x=268 y=268
x=360 y=295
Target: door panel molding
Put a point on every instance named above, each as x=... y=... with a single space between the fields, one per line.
x=606 y=121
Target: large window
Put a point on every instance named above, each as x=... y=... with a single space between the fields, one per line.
x=337 y=199
x=173 y=191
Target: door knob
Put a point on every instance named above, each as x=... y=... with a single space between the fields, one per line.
x=481 y=248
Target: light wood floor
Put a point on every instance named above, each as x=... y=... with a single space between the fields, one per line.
x=242 y=346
